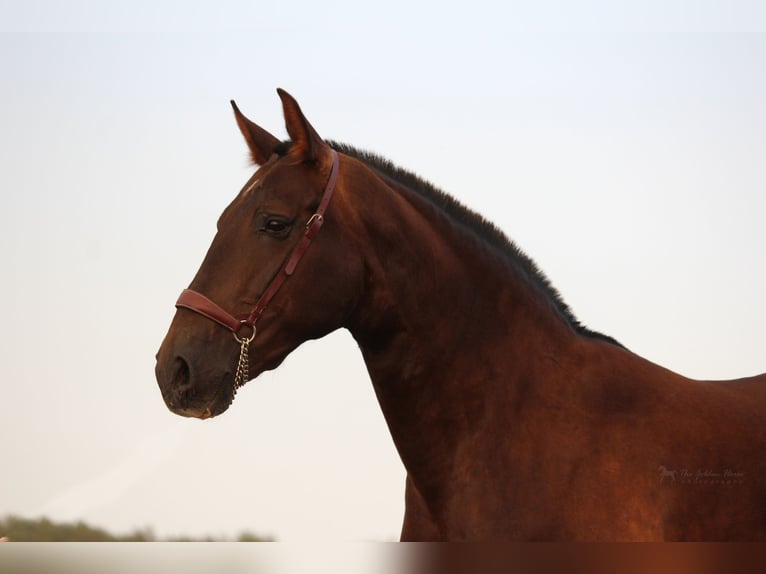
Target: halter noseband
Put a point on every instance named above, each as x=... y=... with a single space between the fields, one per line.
x=200 y=304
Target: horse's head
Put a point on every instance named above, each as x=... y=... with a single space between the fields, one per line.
x=251 y=272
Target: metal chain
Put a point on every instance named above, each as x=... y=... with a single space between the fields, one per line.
x=243 y=366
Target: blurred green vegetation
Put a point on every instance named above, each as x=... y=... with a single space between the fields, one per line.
x=17 y=529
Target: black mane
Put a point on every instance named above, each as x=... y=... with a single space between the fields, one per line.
x=479 y=225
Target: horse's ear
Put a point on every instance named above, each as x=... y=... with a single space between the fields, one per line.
x=306 y=143
x=261 y=143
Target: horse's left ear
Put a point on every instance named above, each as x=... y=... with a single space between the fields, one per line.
x=261 y=143
x=306 y=143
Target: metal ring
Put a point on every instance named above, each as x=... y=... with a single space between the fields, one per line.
x=245 y=340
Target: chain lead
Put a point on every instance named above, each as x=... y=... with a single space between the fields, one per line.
x=243 y=365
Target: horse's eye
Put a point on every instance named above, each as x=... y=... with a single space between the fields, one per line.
x=276 y=226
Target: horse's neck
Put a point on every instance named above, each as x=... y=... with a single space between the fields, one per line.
x=446 y=326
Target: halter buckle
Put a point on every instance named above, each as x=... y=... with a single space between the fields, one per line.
x=314 y=219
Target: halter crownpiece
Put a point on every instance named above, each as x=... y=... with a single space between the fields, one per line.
x=197 y=302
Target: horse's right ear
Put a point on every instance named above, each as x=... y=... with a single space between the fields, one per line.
x=261 y=143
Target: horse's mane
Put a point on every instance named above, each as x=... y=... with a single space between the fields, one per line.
x=481 y=227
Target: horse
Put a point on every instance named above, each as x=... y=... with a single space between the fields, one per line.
x=513 y=420
x=666 y=473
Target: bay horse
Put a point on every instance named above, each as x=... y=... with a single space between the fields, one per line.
x=512 y=419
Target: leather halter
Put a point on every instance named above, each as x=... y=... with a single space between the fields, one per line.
x=200 y=304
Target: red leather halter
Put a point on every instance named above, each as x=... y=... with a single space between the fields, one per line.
x=198 y=303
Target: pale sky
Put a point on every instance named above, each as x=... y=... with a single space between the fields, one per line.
x=623 y=150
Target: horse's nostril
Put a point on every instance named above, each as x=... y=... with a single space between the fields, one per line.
x=181 y=378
